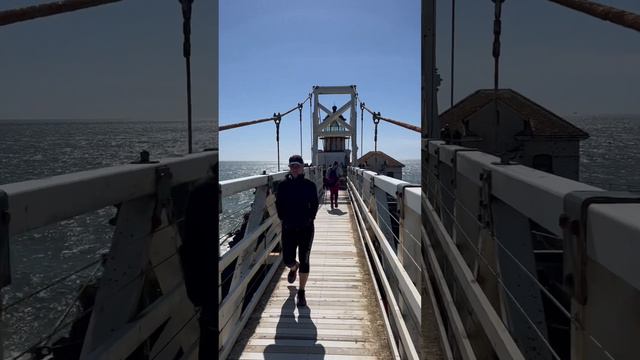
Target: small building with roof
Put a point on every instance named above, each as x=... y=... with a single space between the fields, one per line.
x=526 y=132
x=381 y=163
x=334 y=138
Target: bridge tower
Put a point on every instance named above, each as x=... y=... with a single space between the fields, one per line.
x=333 y=128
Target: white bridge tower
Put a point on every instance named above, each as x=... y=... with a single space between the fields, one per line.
x=334 y=129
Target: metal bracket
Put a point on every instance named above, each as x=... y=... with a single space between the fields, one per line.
x=400 y=196
x=5 y=218
x=436 y=167
x=163 y=194
x=372 y=186
x=376 y=118
x=454 y=160
x=484 y=216
x=574 y=223
x=219 y=198
x=270 y=185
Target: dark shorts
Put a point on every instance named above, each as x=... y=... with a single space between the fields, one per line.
x=297 y=238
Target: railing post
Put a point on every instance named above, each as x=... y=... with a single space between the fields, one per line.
x=5 y=265
x=433 y=173
x=244 y=263
x=167 y=269
x=382 y=215
x=409 y=235
x=121 y=285
x=447 y=196
x=486 y=245
x=511 y=229
x=601 y=274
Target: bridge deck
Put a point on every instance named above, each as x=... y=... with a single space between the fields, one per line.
x=342 y=319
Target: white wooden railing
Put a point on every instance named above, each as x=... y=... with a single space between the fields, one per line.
x=141 y=290
x=481 y=220
x=388 y=217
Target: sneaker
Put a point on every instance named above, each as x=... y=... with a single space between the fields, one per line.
x=292 y=274
x=302 y=301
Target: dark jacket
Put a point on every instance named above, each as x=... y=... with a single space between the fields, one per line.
x=297 y=202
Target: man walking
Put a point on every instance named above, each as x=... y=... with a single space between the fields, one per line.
x=297 y=205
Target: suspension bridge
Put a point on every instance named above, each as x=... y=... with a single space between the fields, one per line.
x=447 y=269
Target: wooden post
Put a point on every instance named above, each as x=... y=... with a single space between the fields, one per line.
x=5 y=266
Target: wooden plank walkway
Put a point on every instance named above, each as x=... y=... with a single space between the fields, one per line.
x=342 y=319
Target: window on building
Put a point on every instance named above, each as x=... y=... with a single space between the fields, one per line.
x=334 y=127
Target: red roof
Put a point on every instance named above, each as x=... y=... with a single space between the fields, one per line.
x=380 y=155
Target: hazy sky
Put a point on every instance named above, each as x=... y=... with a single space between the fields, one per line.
x=125 y=61
x=272 y=52
x=122 y=60
x=565 y=60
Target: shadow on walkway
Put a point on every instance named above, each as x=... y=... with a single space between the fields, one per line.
x=295 y=337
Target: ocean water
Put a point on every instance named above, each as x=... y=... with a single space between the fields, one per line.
x=609 y=158
x=37 y=149
x=34 y=149
x=231 y=206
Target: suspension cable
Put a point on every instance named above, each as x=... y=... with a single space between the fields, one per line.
x=376 y=121
x=362 y=128
x=497 y=28
x=253 y=122
x=401 y=124
x=244 y=123
x=300 y=110
x=186 y=52
x=453 y=47
x=42 y=10
x=300 y=106
x=311 y=126
x=395 y=122
x=289 y=111
x=604 y=12
x=277 y=118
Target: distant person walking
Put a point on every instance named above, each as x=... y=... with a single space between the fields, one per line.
x=297 y=205
x=333 y=183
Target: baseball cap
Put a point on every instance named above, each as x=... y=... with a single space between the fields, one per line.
x=296 y=159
